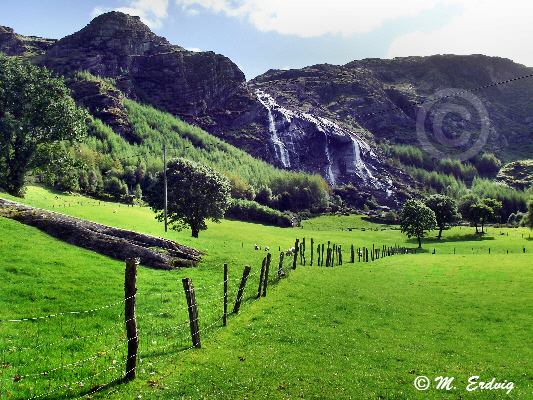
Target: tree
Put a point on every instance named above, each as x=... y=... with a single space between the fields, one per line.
x=479 y=211
x=195 y=193
x=528 y=217
x=488 y=165
x=465 y=208
x=417 y=219
x=494 y=206
x=445 y=209
x=36 y=111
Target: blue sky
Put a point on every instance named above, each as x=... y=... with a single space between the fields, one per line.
x=262 y=34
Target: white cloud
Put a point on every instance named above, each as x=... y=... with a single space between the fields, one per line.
x=309 y=19
x=151 y=12
x=492 y=28
x=195 y=49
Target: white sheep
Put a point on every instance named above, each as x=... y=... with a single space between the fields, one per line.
x=290 y=251
x=256 y=247
x=267 y=248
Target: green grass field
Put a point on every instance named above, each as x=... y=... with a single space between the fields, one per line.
x=362 y=330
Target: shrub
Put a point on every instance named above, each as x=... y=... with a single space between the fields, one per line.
x=251 y=211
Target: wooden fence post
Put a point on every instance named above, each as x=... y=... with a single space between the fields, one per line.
x=265 y=282
x=340 y=254
x=302 y=253
x=130 y=290
x=280 y=266
x=312 y=248
x=193 y=311
x=261 y=277
x=225 y=316
x=296 y=248
x=241 y=289
x=322 y=257
x=352 y=254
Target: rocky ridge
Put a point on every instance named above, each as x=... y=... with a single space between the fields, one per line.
x=325 y=119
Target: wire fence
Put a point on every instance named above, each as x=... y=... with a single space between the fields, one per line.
x=75 y=354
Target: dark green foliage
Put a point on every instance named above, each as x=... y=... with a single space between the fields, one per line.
x=251 y=211
x=488 y=165
x=512 y=200
x=528 y=217
x=195 y=193
x=445 y=209
x=465 y=208
x=441 y=183
x=417 y=220
x=479 y=211
x=115 y=187
x=36 y=111
x=390 y=217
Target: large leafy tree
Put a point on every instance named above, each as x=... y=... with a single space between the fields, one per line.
x=195 y=193
x=417 y=220
x=36 y=111
x=479 y=211
x=445 y=209
x=488 y=210
x=465 y=207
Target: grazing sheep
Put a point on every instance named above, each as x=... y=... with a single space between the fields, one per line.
x=256 y=247
x=290 y=251
x=267 y=248
x=115 y=211
x=360 y=253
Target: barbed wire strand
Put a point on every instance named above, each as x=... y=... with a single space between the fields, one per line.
x=67 y=313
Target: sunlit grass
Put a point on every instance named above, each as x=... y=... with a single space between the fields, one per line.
x=363 y=330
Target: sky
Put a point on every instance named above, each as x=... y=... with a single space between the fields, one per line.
x=259 y=35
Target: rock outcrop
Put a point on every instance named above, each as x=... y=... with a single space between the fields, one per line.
x=323 y=119
x=118 y=243
x=13 y=44
x=192 y=85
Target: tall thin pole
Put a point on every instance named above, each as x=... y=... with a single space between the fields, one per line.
x=165 y=180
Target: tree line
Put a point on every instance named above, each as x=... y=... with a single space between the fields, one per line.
x=419 y=217
x=48 y=139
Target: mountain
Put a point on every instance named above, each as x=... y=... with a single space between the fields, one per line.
x=325 y=119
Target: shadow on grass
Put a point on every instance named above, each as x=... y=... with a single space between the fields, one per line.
x=460 y=238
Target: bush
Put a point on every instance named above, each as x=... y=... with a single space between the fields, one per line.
x=250 y=211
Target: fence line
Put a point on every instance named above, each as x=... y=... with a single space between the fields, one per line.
x=18 y=349
x=154 y=335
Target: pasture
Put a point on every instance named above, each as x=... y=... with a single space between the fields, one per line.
x=362 y=330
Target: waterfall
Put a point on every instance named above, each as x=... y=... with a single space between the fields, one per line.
x=281 y=151
x=360 y=167
x=329 y=170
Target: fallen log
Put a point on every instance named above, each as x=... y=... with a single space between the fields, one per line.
x=153 y=251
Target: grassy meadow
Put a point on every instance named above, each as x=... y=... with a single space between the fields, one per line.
x=362 y=330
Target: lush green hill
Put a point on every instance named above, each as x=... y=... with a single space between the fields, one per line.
x=357 y=330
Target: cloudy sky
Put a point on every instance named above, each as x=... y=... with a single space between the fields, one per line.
x=262 y=34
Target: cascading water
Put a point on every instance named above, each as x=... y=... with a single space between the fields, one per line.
x=360 y=167
x=329 y=170
x=281 y=150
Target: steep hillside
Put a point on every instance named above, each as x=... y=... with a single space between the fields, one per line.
x=324 y=119
x=384 y=97
x=147 y=67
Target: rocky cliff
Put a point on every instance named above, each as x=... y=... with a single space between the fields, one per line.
x=323 y=119
x=147 y=67
x=13 y=44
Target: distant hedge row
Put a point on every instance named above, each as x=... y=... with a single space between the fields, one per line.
x=251 y=211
